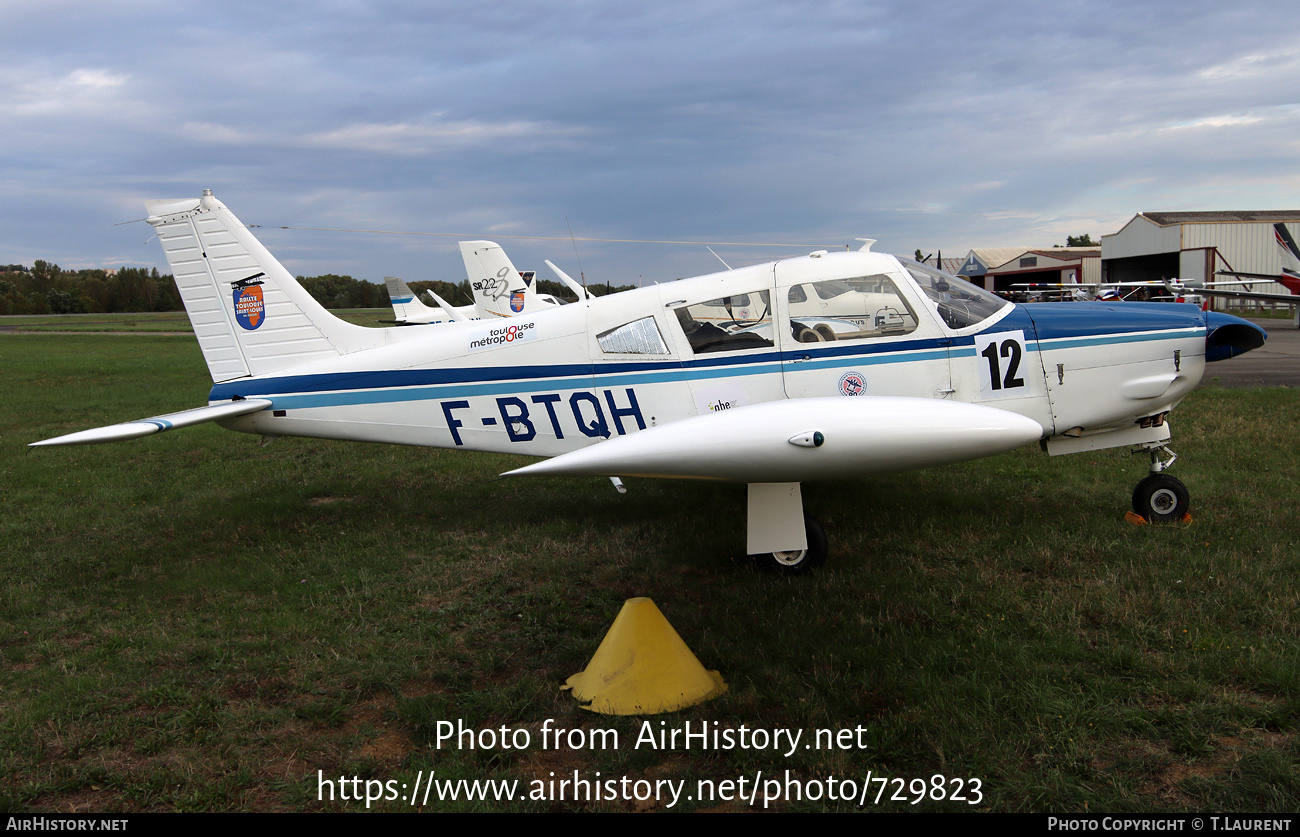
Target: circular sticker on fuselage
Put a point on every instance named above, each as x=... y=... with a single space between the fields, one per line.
x=852 y=383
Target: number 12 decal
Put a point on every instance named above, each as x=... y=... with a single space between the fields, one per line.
x=1001 y=370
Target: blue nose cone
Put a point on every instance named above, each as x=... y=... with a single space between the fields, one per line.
x=1228 y=336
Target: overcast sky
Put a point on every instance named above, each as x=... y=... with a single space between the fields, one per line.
x=940 y=125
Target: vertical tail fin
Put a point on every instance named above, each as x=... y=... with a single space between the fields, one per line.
x=499 y=289
x=1290 y=253
x=250 y=315
x=407 y=307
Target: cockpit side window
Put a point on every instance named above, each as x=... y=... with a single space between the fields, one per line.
x=729 y=323
x=959 y=303
x=849 y=309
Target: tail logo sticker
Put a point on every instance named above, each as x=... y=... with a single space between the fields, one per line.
x=250 y=307
x=517 y=301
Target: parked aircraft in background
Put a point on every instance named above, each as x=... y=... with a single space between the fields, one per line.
x=499 y=290
x=1113 y=291
x=409 y=310
x=657 y=382
x=1194 y=290
x=1289 y=278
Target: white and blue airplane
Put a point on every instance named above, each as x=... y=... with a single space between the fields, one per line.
x=704 y=378
x=409 y=310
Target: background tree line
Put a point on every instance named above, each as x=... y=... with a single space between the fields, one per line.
x=45 y=288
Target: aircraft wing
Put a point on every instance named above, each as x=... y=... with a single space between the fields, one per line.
x=1288 y=298
x=157 y=424
x=803 y=439
x=1263 y=277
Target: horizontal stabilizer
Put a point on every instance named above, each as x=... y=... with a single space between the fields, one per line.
x=157 y=424
x=803 y=439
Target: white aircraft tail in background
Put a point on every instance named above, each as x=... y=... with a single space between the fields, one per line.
x=499 y=289
x=409 y=310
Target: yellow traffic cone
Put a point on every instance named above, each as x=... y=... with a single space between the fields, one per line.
x=642 y=667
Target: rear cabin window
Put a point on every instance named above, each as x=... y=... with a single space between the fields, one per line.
x=639 y=337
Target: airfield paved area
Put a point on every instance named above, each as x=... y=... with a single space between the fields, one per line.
x=1275 y=364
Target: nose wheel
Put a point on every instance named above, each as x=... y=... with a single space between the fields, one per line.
x=1161 y=498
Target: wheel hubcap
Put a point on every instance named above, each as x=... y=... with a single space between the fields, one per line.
x=1164 y=501
x=790 y=559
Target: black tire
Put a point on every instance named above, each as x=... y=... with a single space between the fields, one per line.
x=1161 y=499
x=801 y=560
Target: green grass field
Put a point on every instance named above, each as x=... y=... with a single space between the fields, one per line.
x=194 y=622
x=153 y=322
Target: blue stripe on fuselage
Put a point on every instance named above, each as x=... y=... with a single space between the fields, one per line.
x=1057 y=325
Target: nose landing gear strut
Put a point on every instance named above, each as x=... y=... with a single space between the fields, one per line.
x=1159 y=497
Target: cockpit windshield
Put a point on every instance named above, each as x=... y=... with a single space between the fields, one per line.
x=960 y=303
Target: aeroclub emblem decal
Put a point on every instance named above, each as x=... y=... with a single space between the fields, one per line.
x=250 y=307
x=517 y=301
x=852 y=383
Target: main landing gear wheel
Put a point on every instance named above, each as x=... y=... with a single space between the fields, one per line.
x=1161 y=499
x=801 y=560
